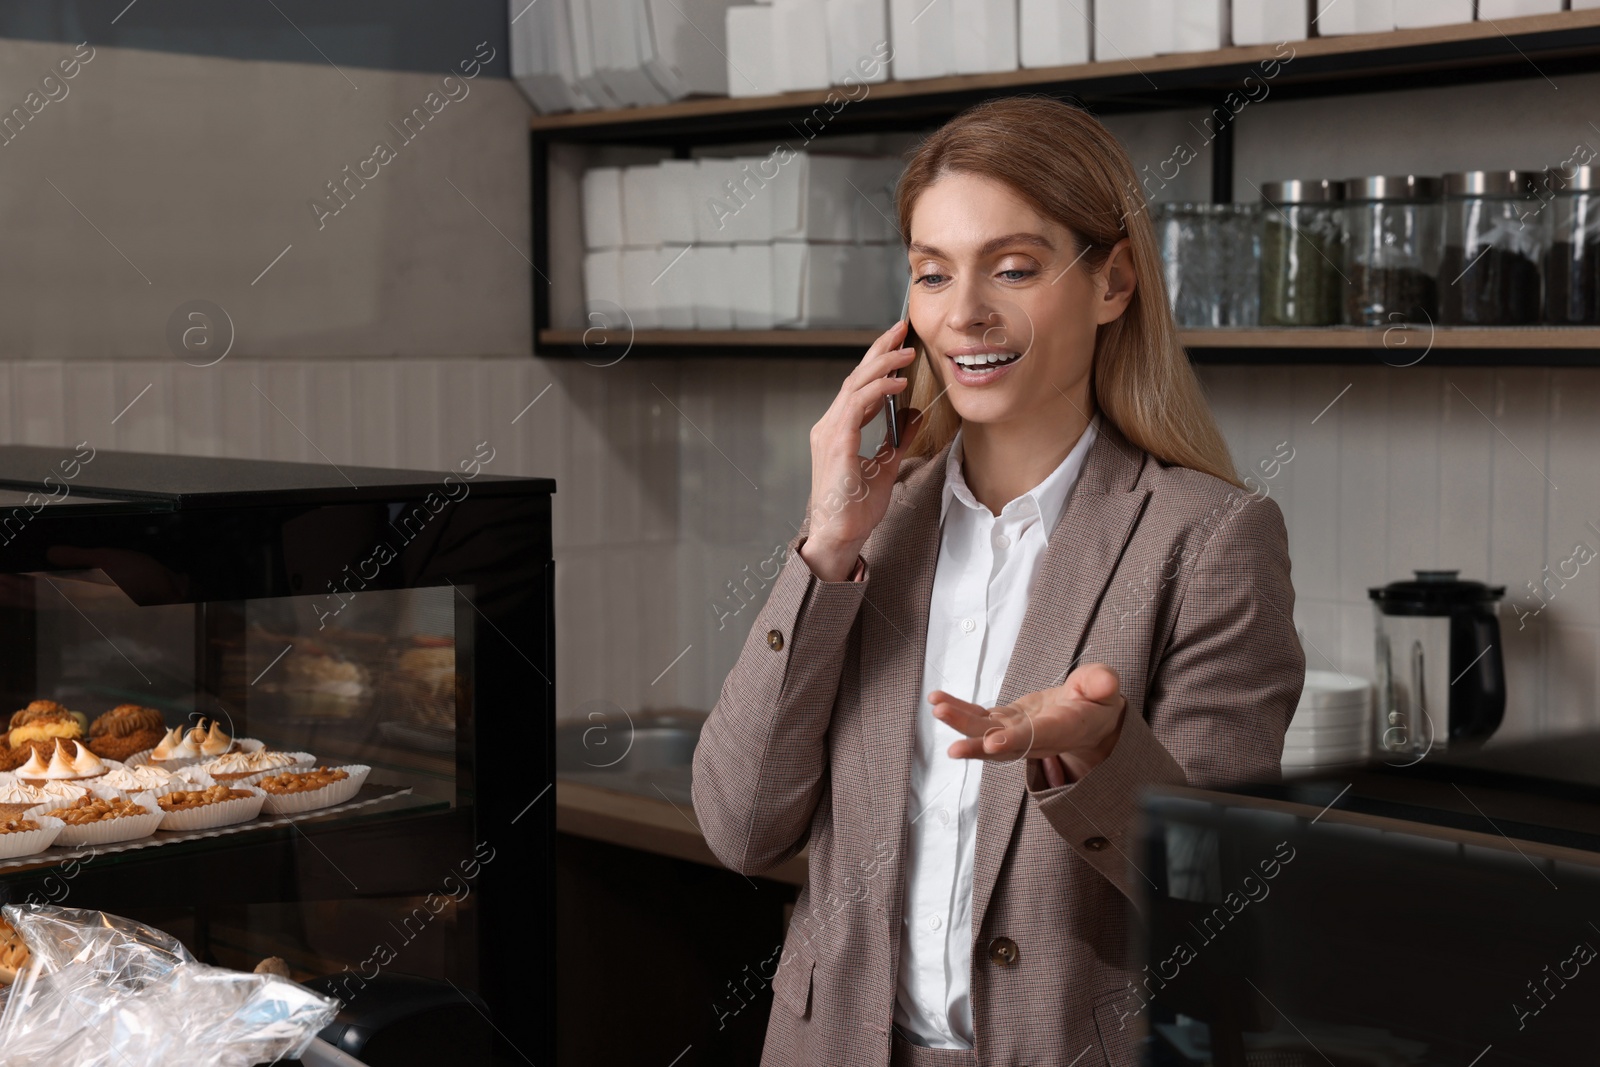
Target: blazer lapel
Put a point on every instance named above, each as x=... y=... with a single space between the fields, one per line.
x=1084 y=548
x=894 y=637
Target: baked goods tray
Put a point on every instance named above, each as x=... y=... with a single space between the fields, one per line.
x=172 y=837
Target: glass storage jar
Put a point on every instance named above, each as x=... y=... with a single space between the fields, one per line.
x=1391 y=226
x=1572 y=246
x=1210 y=256
x=1301 y=249
x=1489 y=273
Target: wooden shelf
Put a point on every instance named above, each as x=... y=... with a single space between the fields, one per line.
x=1452 y=346
x=1520 y=47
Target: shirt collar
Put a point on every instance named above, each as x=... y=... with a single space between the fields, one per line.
x=1047 y=499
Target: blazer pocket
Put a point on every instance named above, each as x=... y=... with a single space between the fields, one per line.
x=791 y=986
x=1117 y=1022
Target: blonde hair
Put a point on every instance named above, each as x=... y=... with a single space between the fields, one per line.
x=1072 y=170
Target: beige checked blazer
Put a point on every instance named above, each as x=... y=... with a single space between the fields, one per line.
x=1173 y=578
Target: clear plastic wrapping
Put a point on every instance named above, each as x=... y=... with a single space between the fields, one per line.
x=104 y=991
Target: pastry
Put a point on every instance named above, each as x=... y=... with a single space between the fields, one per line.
x=12 y=758
x=38 y=709
x=125 y=719
x=13 y=954
x=137 y=779
x=88 y=809
x=208 y=739
x=323 y=686
x=188 y=799
x=18 y=826
x=21 y=793
x=301 y=782
x=71 y=761
x=45 y=730
x=426 y=683
x=236 y=765
x=125 y=730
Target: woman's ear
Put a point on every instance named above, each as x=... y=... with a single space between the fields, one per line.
x=1115 y=284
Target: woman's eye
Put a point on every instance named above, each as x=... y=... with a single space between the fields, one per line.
x=931 y=279
x=1017 y=274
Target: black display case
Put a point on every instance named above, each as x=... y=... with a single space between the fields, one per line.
x=399 y=619
x=1436 y=910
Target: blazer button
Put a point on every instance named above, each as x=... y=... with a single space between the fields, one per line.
x=1002 y=952
x=1096 y=844
x=775 y=640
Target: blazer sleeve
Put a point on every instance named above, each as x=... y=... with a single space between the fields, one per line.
x=759 y=765
x=1219 y=701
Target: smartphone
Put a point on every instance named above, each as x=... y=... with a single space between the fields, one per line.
x=891 y=409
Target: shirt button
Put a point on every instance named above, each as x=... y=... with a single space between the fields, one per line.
x=933 y=923
x=775 y=640
x=1001 y=540
x=1096 y=844
x=944 y=816
x=969 y=625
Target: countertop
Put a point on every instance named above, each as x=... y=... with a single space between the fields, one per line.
x=619 y=809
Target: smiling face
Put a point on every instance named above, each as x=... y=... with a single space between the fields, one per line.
x=996 y=285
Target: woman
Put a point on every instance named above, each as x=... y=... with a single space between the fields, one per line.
x=987 y=641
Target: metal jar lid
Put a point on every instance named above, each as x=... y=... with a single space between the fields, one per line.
x=1301 y=191
x=1572 y=179
x=1434 y=593
x=1492 y=182
x=1392 y=187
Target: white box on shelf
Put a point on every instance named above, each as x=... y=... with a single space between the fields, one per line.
x=602 y=288
x=639 y=269
x=1338 y=17
x=1580 y=5
x=1126 y=29
x=1191 y=25
x=715 y=205
x=799 y=45
x=1510 y=9
x=923 y=33
x=989 y=35
x=602 y=207
x=1415 y=14
x=581 y=16
x=858 y=41
x=623 y=47
x=751 y=50
x=1055 y=33
x=674 y=285
x=641 y=211
x=710 y=279
x=737 y=199
x=751 y=285
x=675 y=200
x=829 y=286
x=690 y=39
x=825 y=197
x=1271 y=21
x=541 y=57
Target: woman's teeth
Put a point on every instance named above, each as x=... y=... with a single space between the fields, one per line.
x=985 y=361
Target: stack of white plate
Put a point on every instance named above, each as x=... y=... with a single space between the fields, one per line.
x=1332 y=726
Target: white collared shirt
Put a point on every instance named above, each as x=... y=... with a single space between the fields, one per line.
x=986 y=570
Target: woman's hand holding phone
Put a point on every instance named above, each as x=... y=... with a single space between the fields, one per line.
x=849 y=492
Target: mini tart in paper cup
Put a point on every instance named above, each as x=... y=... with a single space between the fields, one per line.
x=141 y=778
x=106 y=831
x=219 y=813
x=240 y=744
x=299 y=761
x=28 y=842
x=311 y=799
